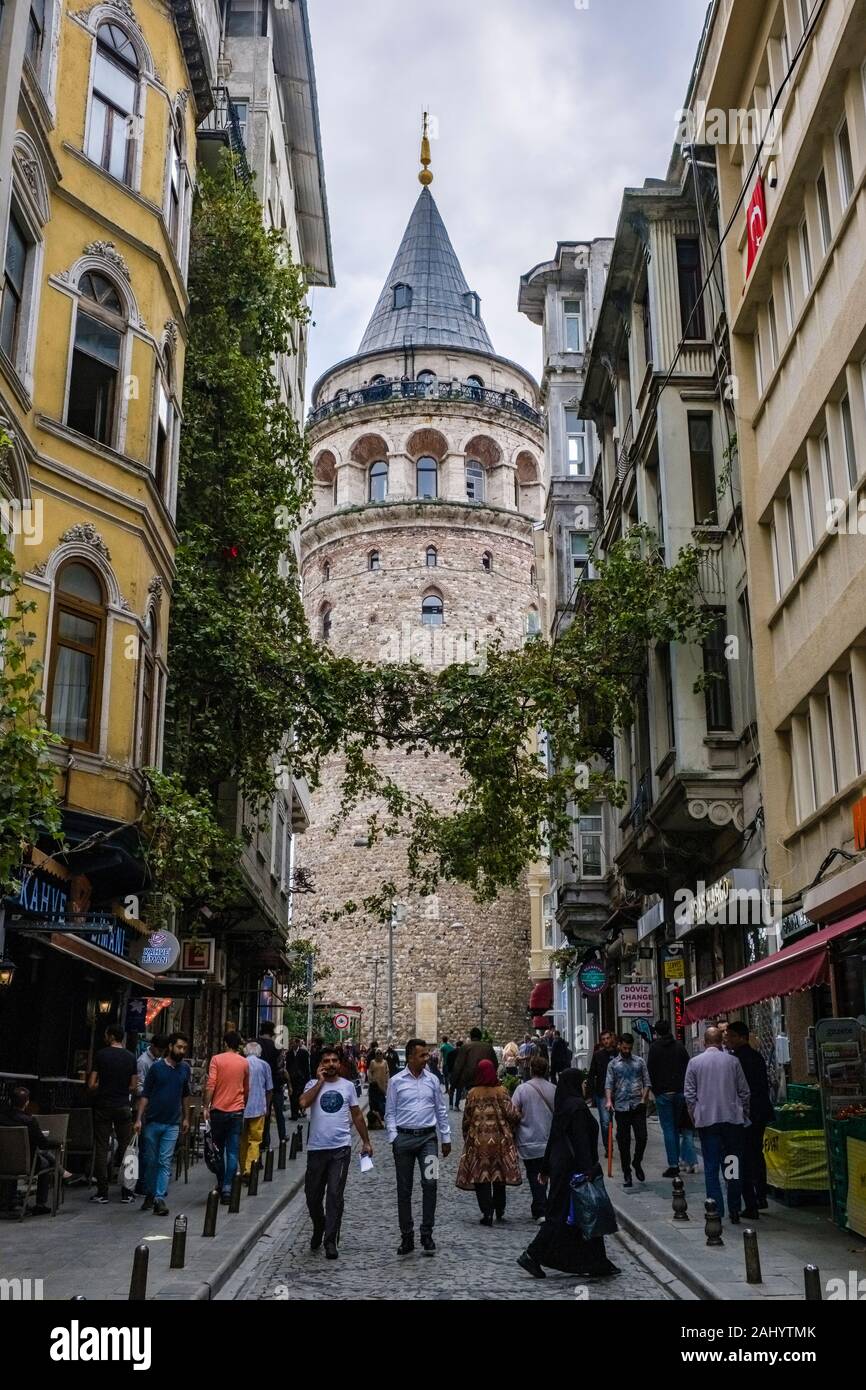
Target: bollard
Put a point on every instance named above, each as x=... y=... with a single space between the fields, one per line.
x=235 y=1199
x=138 y=1282
x=253 y=1188
x=178 y=1243
x=753 y=1257
x=812 y=1280
x=712 y=1223
x=281 y=1161
x=293 y=1147
x=300 y=1133
x=269 y=1166
x=78 y=1298
x=211 y=1211
x=679 y=1203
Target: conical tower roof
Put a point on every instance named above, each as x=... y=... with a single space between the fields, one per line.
x=442 y=311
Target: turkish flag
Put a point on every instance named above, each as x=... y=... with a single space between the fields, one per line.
x=756 y=223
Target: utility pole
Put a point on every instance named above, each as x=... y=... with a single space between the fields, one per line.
x=481 y=992
x=398 y=914
x=309 y=1000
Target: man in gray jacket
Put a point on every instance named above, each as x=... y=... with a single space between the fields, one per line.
x=717 y=1095
x=466 y=1060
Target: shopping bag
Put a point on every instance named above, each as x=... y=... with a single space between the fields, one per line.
x=591 y=1208
x=129 y=1166
x=211 y=1152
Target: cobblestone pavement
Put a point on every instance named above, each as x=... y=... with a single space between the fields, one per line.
x=471 y=1261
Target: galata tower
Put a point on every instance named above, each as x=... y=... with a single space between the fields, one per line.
x=427 y=450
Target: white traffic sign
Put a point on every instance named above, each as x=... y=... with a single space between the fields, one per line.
x=341 y=1021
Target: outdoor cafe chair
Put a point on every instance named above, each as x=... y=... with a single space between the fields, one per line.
x=16 y=1163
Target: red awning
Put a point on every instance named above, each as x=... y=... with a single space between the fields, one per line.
x=798 y=966
x=541 y=997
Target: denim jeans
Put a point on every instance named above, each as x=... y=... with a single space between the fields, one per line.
x=226 y=1127
x=409 y=1148
x=722 y=1147
x=278 y=1110
x=679 y=1143
x=603 y=1119
x=537 y=1190
x=157 y=1143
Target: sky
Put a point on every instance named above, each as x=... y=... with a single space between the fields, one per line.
x=545 y=111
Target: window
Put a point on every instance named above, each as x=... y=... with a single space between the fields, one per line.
x=77 y=643
x=792 y=537
x=718 y=689
x=35 y=31
x=831 y=740
x=149 y=723
x=573 y=312
x=809 y=508
x=532 y=576
x=378 y=482
x=848 y=439
x=487 y=561
x=374 y=560
x=827 y=467
x=473 y=303
x=579 y=547
x=846 y=163
x=689 y=276
x=431 y=557
x=806 y=255
x=326 y=571
x=589 y=832
x=855 y=732
x=93 y=384
x=164 y=434
x=777 y=568
x=241 y=110
x=533 y=623
x=475 y=381
x=432 y=611
x=774 y=334
x=175 y=186
x=703 y=470
x=575 y=440
x=824 y=211
x=668 y=683
x=247 y=19
x=474 y=481
x=13 y=287
x=759 y=362
x=647 y=329
x=426 y=473
x=402 y=297
x=113 y=104
x=813 y=777
x=326 y=623
x=805 y=9
x=789 y=295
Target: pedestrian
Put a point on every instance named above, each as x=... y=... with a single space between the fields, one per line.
x=468 y=1056
x=666 y=1061
x=571 y=1148
x=333 y=1108
x=414 y=1112
x=43 y=1162
x=596 y=1080
x=377 y=1071
x=446 y=1052
x=626 y=1090
x=163 y=1111
x=433 y=1067
x=489 y=1163
x=276 y=1060
x=392 y=1058
x=760 y=1112
x=155 y=1049
x=298 y=1062
x=560 y=1056
x=533 y=1100
x=510 y=1064
x=225 y=1096
x=259 y=1096
x=114 y=1079
x=449 y=1075
x=525 y=1052
x=315 y=1055
x=717 y=1094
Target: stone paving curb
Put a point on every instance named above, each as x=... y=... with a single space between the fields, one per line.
x=677 y=1288
x=695 y=1283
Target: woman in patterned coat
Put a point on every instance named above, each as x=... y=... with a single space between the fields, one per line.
x=489 y=1161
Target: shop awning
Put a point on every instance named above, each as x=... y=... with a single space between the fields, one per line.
x=798 y=966
x=94 y=955
x=541 y=997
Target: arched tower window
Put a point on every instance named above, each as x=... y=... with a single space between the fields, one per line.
x=100 y=325
x=432 y=611
x=114 y=103
x=487 y=561
x=326 y=571
x=532 y=575
x=374 y=560
x=325 y=622
x=474 y=481
x=402 y=297
x=432 y=557
x=378 y=481
x=427 y=472
x=77 y=647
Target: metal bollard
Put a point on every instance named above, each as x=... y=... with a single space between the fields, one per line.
x=812 y=1280
x=300 y=1133
x=712 y=1223
x=78 y=1298
x=281 y=1161
x=211 y=1211
x=293 y=1147
x=178 y=1243
x=235 y=1199
x=138 y=1282
x=753 y=1257
x=269 y=1166
x=252 y=1189
x=679 y=1203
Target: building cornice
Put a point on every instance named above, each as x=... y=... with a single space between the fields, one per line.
x=372 y=517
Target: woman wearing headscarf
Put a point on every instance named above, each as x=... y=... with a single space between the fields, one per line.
x=489 y=1161
x=571 y=1148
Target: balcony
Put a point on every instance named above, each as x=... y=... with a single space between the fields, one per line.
x=394 y=390
x=221 y=130
x=695 y=820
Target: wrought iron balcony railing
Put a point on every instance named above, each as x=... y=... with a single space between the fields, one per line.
x=394 y=389
x=223 y=125
x=643 y=801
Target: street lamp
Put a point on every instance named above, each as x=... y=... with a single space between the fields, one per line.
x=7 y=972
x=398 y=914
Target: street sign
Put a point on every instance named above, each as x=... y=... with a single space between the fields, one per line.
x=341 y=1021
x=634 y=1001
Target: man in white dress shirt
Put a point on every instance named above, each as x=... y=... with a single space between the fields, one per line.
x=415 y=1111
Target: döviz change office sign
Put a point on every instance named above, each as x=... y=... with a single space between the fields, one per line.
x=634 y=1001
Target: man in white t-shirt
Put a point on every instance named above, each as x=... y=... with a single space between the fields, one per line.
x=333 y=1106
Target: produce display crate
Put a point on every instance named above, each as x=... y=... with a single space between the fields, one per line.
x=796 y=1160
x=794 y=1119
x=798 y=1092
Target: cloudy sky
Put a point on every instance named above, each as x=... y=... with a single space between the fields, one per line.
x=546 y=110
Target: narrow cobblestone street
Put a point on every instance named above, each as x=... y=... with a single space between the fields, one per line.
x=471 y=1261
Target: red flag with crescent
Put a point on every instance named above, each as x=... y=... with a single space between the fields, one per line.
x=756 y=223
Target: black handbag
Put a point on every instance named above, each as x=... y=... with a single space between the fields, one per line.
x=211 y=1152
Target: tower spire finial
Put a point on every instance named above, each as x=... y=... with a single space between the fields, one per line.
x=425 y=177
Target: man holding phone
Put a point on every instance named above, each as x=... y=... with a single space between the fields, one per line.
x=333 y=1106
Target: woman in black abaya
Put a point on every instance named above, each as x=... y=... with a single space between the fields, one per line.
x=571 y=1148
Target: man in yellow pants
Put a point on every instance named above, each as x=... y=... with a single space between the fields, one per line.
x=258 y=1102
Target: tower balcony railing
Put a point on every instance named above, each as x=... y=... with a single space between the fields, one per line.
x=395 y=389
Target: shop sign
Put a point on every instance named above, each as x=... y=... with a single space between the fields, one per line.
x=160 y=952
x=592 y=977
x=651 y=920
x=859 y=816
x=675 y=968
x=198 y=955
x=112 y=938
x=136 y=1015
x=794 y=925
x=634 y=1001
x=679 y=1025
x=42 y=895
x=739 y=898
